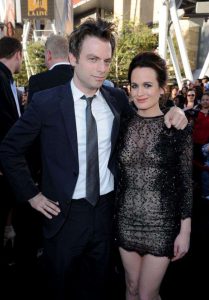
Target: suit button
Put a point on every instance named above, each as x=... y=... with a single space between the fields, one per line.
x=68 y=202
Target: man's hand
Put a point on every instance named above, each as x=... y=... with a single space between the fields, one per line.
x=175 y=117
x=47 y=207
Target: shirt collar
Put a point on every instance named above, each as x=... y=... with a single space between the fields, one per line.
x=77 y=94
x=58 y=64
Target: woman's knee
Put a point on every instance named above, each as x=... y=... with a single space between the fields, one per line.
x=132 y=287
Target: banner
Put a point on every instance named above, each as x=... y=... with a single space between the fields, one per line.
x=8 y=11
x=35 y=9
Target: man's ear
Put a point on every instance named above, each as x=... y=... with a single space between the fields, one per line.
x=72 y=59
x=18 y=55
x=48 y=55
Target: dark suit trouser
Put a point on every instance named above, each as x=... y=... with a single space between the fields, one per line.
x=6 y=204
x=77 y=258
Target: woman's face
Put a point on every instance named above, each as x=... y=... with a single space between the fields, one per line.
x=191 y=96
x=184 y=90
x=174 y=93
x=145 y=90
x=205 y=101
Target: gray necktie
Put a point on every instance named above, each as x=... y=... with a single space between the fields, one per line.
x=92 y=160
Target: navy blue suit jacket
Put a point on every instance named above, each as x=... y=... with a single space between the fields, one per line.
x=51 y=115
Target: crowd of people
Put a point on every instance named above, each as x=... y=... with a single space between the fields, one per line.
x=82 y=169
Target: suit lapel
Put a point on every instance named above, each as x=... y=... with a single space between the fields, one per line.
x=67 y=108
x=68 y=111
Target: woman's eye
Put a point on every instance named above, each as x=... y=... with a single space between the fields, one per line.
x=147 y=85
x=133 y=86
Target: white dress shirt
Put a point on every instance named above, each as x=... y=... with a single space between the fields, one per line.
x=14 y=91
x=104 y=120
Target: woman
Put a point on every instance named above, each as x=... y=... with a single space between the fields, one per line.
x=190 y=100
x=154 y=197
x=10 y=31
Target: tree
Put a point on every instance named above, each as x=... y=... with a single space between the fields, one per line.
x=131 y=40
x=36 y=56
x=37 y=63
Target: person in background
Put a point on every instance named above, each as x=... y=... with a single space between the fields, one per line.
x=198 y=82
x=154 y=198
x=57 y=62
x=24 y=98
x=199 y=119
x=205 y=81
x=10 y=111
x=190 y=100
x=108 y=83
x=10 y=31
x=179 y=101
x=183 y=92
x=77 y=215
x=205 y=172
x=170 y=101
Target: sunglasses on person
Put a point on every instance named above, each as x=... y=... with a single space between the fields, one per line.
x=190 y=95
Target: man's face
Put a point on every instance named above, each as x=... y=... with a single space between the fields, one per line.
x=93 y=64
x=205 y=101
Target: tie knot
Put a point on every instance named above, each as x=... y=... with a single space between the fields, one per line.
x=88 y=99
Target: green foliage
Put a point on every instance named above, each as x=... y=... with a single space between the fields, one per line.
x=21 y=78
x=131 y=40
x=35 y=52
x=36 y=56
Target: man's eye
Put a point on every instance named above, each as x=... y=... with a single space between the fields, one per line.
x=93 y=59
x=108 y=62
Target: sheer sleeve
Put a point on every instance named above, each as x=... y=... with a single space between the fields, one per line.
x=185 y=161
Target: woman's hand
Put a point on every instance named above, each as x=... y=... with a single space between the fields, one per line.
x=181 y=245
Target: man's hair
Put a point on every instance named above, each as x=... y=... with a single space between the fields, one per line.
x=94 y=28
x=9 y=46
x=58 y=45
x=205 y=94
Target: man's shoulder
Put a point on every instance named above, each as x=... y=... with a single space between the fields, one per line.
x=39 y=76
x=49 y=99
x=58 y=75
x=53 y=90
x=113 y=90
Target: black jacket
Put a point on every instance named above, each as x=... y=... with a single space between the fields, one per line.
x=51 y=116
x=59 y=75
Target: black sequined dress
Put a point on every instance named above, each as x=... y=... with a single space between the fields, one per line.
x=155 y=185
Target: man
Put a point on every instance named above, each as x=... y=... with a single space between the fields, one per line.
x=205 y=81
x=77 y=231
x=57 y=61
x=10 y=111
